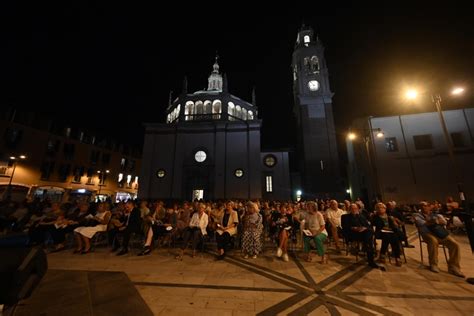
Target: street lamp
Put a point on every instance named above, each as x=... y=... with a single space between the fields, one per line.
x=367 y=134
x=299 y=193
x=102 y=174
x=13 y=160
x=436 y=99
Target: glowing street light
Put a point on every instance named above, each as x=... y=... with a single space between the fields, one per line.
x=368 y=136
x=298 y=195
x=457 y=91
x=411 y=94
x=436 y=98
x=14 y=161
x=352 y=136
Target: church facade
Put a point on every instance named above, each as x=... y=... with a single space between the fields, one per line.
x=209 y=148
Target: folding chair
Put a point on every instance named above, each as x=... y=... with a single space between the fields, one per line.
x=346 y=237
x=420 y=238
x=98 y=238
x=402 y=250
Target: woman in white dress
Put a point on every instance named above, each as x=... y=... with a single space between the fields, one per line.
x=84 y=234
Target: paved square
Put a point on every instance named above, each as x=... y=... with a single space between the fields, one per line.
x=269 y=286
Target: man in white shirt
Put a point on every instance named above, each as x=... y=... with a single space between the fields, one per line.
x=333 y=215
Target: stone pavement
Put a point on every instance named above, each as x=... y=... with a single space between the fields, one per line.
x=269 y=286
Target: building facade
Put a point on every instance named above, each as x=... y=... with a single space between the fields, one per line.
x=317 y=153
x=62 y=163
x=405 y=158
x=209 y=148
x=210 y=145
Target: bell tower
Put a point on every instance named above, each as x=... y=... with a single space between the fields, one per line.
x=317 y=149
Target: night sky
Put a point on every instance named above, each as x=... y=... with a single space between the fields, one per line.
x=112 y=68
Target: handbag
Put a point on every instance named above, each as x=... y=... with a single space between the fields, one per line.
x=439 y=231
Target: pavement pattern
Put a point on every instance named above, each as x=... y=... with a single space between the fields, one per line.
x=159 y=284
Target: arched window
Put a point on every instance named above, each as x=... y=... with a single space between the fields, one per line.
x=168 y=118
x=306 y=39
x=231 y=111
x=250 y=115
x=189 y=110
x=207 y=107
x=244 y=114
x=238 y=111
x=199 y=109
x=175 y=114
x=216 y=109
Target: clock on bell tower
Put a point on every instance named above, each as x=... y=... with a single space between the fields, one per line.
x=317 y=149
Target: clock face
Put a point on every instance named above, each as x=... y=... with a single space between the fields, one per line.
x=200 y=156
x=313 y=85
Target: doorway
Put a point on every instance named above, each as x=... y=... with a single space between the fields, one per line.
x=198 y=194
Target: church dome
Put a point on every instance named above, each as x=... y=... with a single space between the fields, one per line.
x=215 y=103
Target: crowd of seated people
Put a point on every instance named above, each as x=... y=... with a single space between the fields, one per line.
x=245 y=224
x=432 y=227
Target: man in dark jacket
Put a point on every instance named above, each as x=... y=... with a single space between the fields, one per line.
x=131 y=224
x=357 y=227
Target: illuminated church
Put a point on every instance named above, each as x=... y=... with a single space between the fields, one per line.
x=209 y=148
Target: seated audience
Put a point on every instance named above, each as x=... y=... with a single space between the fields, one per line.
x=387 y=228
x=226 y=228
x=333 y=215
x=130 y=223
x=85 y=233
x=283 y=222
x=157 y=228
x=195 y=231
x=431 y=226
x=392 y=210
x=252 y=231
x=356 y=225
x=314 y=230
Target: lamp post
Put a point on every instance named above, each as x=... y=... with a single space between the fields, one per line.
x=368 y=139
x=436 y=99
x=14 y=160
x=102 y=174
